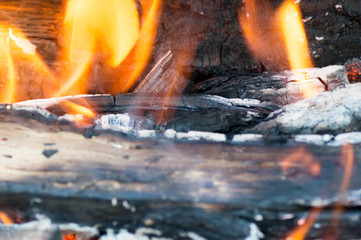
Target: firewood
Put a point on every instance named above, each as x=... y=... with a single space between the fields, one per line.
x=330 y=112
x=216 y=190
x=278 y=88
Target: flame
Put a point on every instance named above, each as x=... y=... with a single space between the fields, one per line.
x=16 y=49
x=302 y=159
x=347 y=160
x=8 y=92
x=290 y=18
x=88 y=24
x=143 y=49
x=5 y=219
x=301 y=231
x=261 y=34
x=261 y=24
x=82 y=114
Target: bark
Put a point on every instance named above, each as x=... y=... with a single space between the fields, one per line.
x=330 y=112
x=213 y=189
x=279 y=88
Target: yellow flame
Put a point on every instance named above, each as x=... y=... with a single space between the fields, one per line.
x=300 y=232
x=143 y=49
x=16 y=49
x=82 y=113
x=290 y=18
x=111 y=27
x=8 y=92
x=5 y=218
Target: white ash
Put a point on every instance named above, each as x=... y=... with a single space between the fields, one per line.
x=115 y=120
x=314 y=139
x=44 y=229
x=242 y=138
x=329 y=140
x=197 y=135
x=170 y=134
x=254 y=233
x=192 y=236
x=140 y=234
x=331 y=112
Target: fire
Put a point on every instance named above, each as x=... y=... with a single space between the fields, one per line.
x=143 y=49
x=261 y=26
x=301 y=159
x=290 y=18
x=16 y=49
x=259 y=31
x=347 y=160
x=300 y=232
x=5 y=219
x=89 y=24
x=82 y=113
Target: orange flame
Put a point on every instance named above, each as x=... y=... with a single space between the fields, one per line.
x=8 y=92
x=82 y=113
x=71 y=236
x=5 y=219
x=261 y=25
x=16 y=48
x=143 y=49
x=261 y=34
x=112 y=23
x=290 y=18
x=300 y=232
x=347 y=159
x=303 y=159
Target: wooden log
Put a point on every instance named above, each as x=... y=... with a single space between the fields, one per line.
x=330 y=112
x=213 y=189
x=279 y=88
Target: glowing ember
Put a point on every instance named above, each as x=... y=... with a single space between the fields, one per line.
x=5 y=219
x=301 y=159
x=89 y=24
x=71 y=236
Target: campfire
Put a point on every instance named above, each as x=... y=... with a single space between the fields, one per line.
x=135 y=119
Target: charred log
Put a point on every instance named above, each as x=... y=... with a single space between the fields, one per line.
x=279 y=88
x=330 y=112
x=215 y=190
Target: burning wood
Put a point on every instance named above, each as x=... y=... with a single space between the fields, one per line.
x=182 y=156
x=330 y=112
